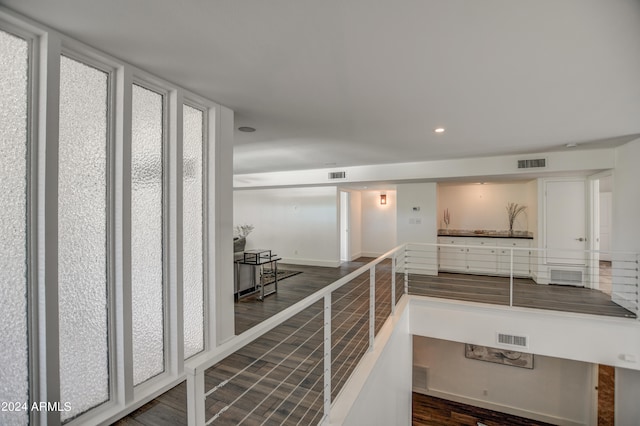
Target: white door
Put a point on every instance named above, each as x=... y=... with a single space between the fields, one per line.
x=565 y=224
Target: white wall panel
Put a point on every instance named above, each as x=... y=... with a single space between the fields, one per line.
x=378 y=223
x=299 y=224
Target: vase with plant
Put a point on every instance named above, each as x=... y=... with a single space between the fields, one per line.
x=446 y=218
x=240 y=233
x=513 y=210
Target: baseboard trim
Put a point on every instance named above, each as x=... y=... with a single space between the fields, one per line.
x=311 y=262
x=371 y=254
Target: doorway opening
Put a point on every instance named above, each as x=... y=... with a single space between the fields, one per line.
x=601 y=194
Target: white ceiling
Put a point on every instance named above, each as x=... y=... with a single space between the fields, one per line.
x=354 y=82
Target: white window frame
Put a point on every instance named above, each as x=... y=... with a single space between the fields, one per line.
x=46 y=46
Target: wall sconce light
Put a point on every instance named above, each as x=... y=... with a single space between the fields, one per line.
x=383 y=199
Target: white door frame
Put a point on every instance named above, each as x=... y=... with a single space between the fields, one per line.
x=593 y=226
x=345 y=224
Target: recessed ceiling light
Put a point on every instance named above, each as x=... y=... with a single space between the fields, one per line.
x=246 y=129
x=571 y=145
x=439 y=130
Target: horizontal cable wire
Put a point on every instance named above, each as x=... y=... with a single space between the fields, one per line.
x=311 y=370
x=317 y=348
x=364 y=337
x=364 y=281
x=266 y=375
x=269 y=351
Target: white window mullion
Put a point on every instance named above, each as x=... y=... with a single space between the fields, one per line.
x=18 y=197
x=123 y=338
x=207 y=267
x=211 y=297
x=175 y=317
x=47 y=233
x=220 y=173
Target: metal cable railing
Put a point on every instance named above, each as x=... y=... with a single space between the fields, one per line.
x=288 y=369
x=579 y=280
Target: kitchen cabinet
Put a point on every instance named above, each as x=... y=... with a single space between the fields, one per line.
x=521 y=258
x=482 y=259
x=489 y=256
x=450 y=256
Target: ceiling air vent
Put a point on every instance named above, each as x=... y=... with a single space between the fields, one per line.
x=512 y=340
x=531 y=164
x=337 y=175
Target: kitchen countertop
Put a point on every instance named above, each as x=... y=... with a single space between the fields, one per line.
x=485 y=233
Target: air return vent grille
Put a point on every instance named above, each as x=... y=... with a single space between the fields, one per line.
x=533 y=163
x=512 y=340
x=561 y=276
x=337 y=175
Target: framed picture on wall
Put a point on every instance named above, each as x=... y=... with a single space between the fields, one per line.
x=499 y=356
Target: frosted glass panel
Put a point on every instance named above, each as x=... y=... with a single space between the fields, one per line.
x=146 y=235
x=13 y=231
x=193 y=231
x=82 y=252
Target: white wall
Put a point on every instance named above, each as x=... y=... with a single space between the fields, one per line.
x=301 y=225
x=221 y=235
x=627 y=409
x=378 y=223
x=475 y=206
x=557 y=391
x=626 y=198
x=580 y=337
x=625 y=213
x=379 y=390
x=560 y=161
x=531 y=213
x=416 y=226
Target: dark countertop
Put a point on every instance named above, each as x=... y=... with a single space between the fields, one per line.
x=485 y=233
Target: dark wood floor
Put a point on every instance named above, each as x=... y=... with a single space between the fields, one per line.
x=528 y=294
x=432 y=411
x=278 y=378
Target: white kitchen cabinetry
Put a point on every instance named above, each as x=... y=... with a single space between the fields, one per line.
x=521 y=258
x=482 y=259
x=451 y=257
x=490 y=256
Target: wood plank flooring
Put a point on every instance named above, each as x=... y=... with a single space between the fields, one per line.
x=278 y=378
x=528 y=294
x=432 y=411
